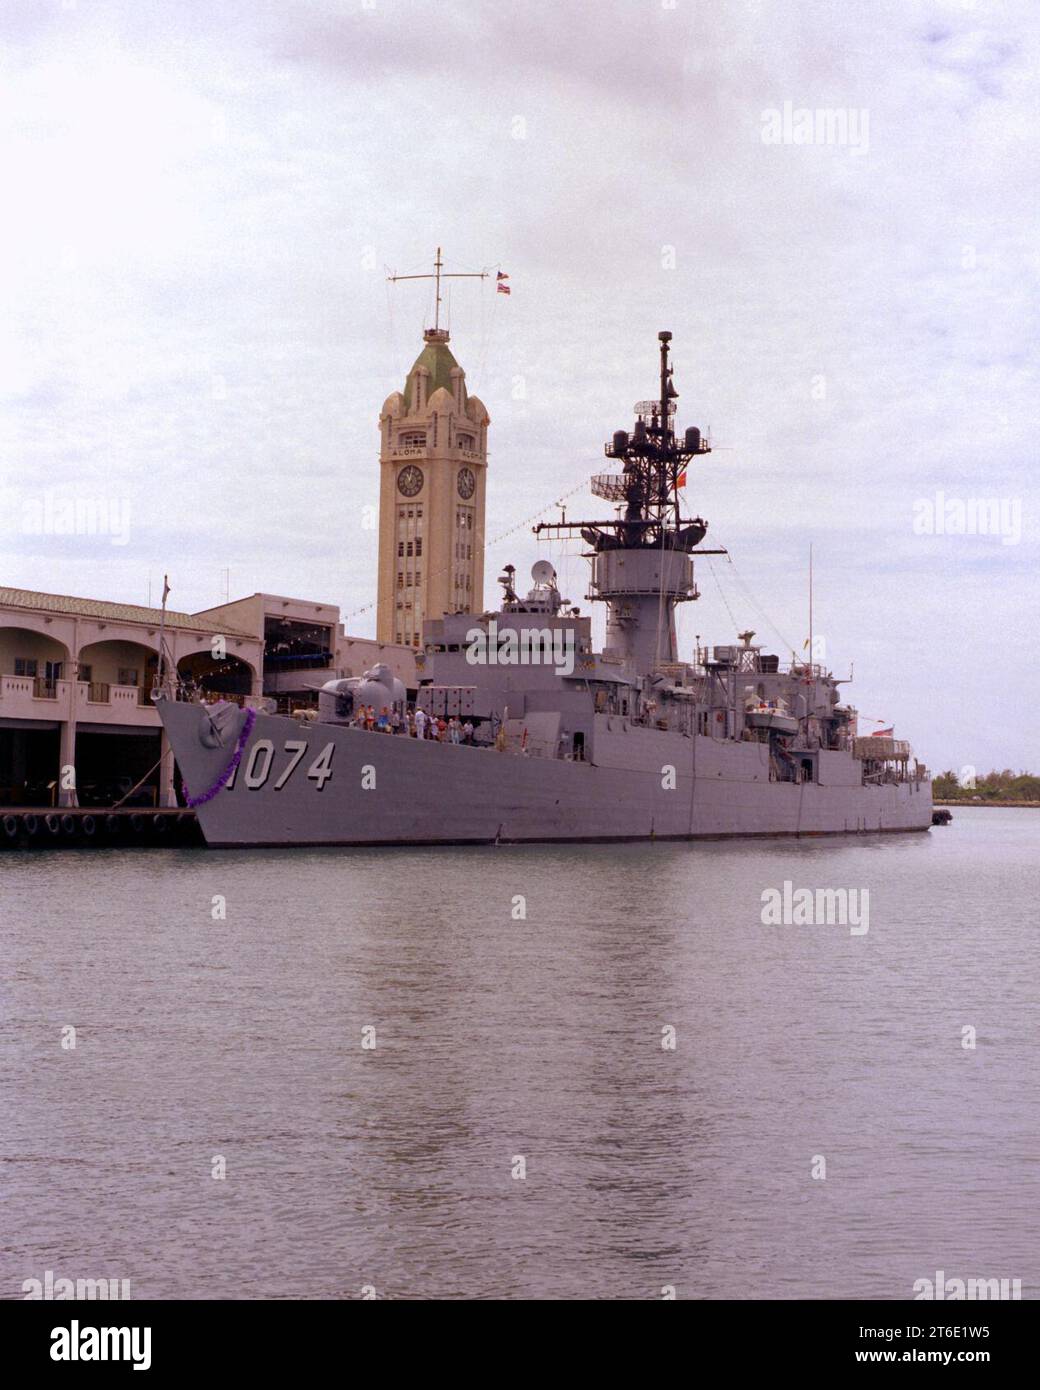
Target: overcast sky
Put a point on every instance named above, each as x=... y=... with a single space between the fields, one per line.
x=201 y=202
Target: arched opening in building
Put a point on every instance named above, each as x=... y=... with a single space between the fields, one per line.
x=27 y=655
x=227 y=677
x=105 y=665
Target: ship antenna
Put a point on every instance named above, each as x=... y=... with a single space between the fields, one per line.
x=665 y=338
x=812 y=659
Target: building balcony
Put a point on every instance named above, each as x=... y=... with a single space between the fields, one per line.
x=95 y=702
x=118 y=704
x=99 y=702
x=33 y=697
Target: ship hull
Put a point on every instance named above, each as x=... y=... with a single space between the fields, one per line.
x=350 y=787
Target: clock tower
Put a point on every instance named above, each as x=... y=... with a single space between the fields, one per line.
x=433 y=462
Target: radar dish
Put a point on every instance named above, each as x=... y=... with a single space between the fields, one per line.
x=542 y=572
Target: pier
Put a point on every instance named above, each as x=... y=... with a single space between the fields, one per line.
x=87 y=827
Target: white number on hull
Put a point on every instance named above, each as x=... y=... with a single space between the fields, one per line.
x=255 y=778
x=261 y=756
x=297 y=747
x=320 y=769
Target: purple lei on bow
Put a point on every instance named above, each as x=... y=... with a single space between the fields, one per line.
x=229 y=771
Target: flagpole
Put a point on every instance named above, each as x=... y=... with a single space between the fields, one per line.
x=812 y=653
x=810 y=606
x=439 y=274
x=159 y=677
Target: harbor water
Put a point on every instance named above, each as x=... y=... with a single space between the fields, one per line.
x=586 y=1071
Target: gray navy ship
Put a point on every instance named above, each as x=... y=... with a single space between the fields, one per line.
x=563 y=742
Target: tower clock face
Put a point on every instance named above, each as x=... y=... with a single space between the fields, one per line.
x=410 y=480
x=466 y=482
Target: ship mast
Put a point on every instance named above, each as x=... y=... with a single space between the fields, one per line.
x=641 y=557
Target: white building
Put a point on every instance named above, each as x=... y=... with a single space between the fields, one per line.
x=76 y=720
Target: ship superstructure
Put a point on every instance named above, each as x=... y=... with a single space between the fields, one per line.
x=562 y=741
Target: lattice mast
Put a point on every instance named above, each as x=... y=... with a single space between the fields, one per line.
x=641 y=565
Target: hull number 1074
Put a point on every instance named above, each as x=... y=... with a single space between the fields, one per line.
x=258 y=765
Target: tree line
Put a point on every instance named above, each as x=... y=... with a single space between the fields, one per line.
x=995 y=786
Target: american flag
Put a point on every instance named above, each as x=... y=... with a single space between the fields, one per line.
x=501 y=286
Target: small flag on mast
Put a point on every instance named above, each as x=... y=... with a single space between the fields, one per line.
x=681 y=480
x=501 y=287
x=165 y=589
x=883 y=733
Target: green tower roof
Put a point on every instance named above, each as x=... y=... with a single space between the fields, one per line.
x=438 y=360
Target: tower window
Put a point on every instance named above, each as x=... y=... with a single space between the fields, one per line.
x=414 y=439
x=465 y=441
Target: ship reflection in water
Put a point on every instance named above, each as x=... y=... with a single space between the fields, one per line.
x=501 y=1038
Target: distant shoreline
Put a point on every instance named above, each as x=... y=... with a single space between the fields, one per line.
x=967 y=801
